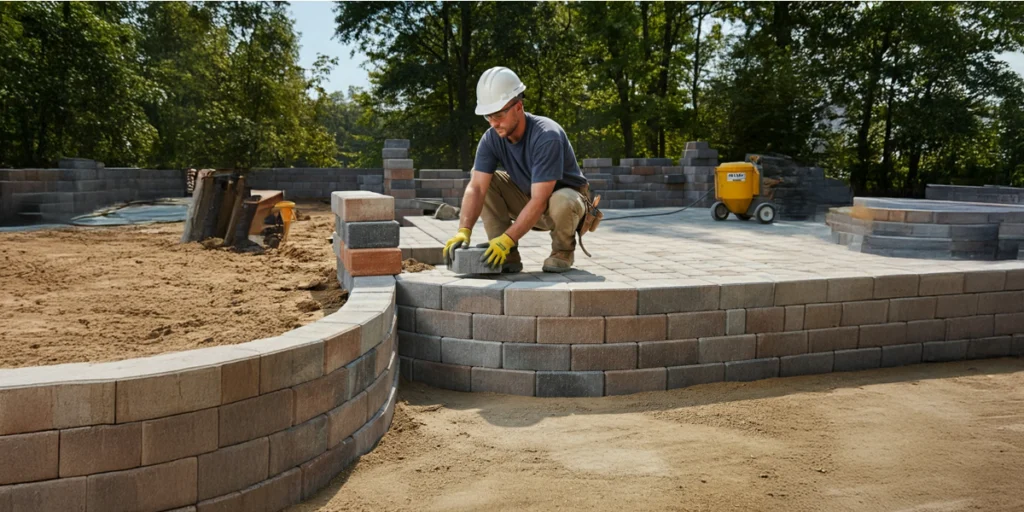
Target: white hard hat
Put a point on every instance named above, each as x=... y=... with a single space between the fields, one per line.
x=497 y=86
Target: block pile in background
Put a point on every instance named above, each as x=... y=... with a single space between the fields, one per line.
x=366 y=235
x=804 y=193
x=654 y=182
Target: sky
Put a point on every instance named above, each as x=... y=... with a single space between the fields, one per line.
x=315 y=22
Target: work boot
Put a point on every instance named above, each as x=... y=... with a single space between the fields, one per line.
x=513 y=263
x=558 y=262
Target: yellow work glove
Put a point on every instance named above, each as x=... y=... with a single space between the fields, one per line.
x=497 y=251
x=461 y=239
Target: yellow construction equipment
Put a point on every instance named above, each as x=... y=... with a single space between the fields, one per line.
x=738 y=191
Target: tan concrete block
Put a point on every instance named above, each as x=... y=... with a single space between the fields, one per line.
x=616 y=356
x=941 y=284
x=78 y=405
x=65 y=494
x=913 y=308
x=677 y=296
x=822 y=316
x=344 y=420
x=726 y=348
x=256 y=417
x=283 y=490
x=29 y=457
x=654 y=354
x=239 y=380
x=34 y=406
x=865 y=312
x=294 y=365
x=1015 y=279
x=894 y=286
x=746 y=295
x=883 y=335
x=848 y=289
x=984 y=281
x=698 y=324
x=166 y=395
x=565 y=330
x=319 y=472
x=735 y=322
x=602 y=299
x=794 y=318
x=233 y=468
x=301 y=443
x=342 y=348
x=318 y=396
x=805 y=291
x=90 y=450
x=526 y=298
x=970 y=328
x=1010 y=323
x=177 y=437
x=147 y=489
x=922 y=331
x=635 y=328
x=837 y=338
x=1000 y=302
x=952 y=306
x=627 y=382
x=781 y=344
x=766 y=320
x=519 y=329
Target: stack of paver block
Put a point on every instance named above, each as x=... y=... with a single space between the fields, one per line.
x=651 y=182
x=314 y=183
x=804 y=192
x=366 y=236
x=399 y=178
x=699 y=162
x=986 y=194
x=442 y=185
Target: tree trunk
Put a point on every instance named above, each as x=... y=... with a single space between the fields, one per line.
x=696 y=75
x=886 y=178
x=859 y=175
x=667 y=43
x=651 y=132
x=464 y=100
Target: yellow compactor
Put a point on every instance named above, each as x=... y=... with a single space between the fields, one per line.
x=738 y=191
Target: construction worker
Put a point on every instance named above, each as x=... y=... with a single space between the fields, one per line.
x=541 y=186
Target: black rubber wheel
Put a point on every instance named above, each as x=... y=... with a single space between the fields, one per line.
x=719 y=211
x=743 y=216
x=765 y=213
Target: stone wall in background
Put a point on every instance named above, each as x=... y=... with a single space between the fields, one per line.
x=802 y=192
x=987 y=194
x=316 y=183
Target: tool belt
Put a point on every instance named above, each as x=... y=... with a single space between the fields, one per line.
x=591 y=217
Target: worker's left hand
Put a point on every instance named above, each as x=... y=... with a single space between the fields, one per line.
x=497 y=250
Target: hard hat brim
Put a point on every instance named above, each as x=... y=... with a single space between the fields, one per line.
x=490 y=108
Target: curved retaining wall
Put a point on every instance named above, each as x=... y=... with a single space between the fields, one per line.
x=593 y=339
x=256 y=426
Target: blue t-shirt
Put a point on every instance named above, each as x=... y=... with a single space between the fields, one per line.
x=543 y=154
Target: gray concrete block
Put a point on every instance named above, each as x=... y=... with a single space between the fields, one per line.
x=522 y=329
x=726 y=348
x=387 y=153
x=678 y=296
x=1017 y=346
x=627 y=382
x=508 y=382
x=901 y=355
x=735 y=322
x=370 y=235
x=419 y=346
x=857 y=359
x=398 y=163
x=441 y=375
x=420 y=291
x=406 y=318
x=467 y=261
x=612 y=356
x=805 y=364
x=697 y=324
x=405 y=368
x=692 y=375
x=396 y=143
x=753 y=369
x=998 y=346
x=533 y=356
x=938 y=351
x=570 y=384
x=486 y=354
x=603 y=299
x=597 y=162
x=474 y=296
x=444 y=323
x=654 y=354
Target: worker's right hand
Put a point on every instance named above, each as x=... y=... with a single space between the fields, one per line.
x=461 y=239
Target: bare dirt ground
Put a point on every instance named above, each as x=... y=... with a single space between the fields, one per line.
x=937 y=438
x=101 y=294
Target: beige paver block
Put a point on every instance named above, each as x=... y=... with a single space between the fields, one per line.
x=1010 y=323
x=29 y=457
x=970 y=328
x=822 y=316
x=531 y=298
x=602 y=299
x=90 y=450
x=356 y=206
x=166 y=395
x=233 y=468
x=570 y=330
x=836 y=338
x=895 y=286
x=735 y=322
x=46 y=407
x=239 y=380
x=342 y=348
x=952 y=306
x=283 y=490
x=147 y=489
x=951 y=283
x=444 y=323
x=746 y=295
x=291 y=366
x=677 y=296
x=474 y=296
x=697 y=324
x=794 y=318
x=319 y=472
x=301 y=443
x=318 y=396
x=345 y=419
x=65 y=494
x=1000 y=302
x=627 y=382
x=912 y=308
x=1014 y=279
x=177 y=437
x=635 y=328
x=805 y=291
x=766 y=320
x=256 y=417
x=883 y=335
x=613 y=356
x=865 y=312
x=519 y=329
x=984 y=281
x=726 y=348
x=922 y=331
x=848 y=289
x=777 y=344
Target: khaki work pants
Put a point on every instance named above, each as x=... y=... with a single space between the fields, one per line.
x=504 y=202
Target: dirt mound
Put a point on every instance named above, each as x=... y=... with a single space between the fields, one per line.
x=411 y=265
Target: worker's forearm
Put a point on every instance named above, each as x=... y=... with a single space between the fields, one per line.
x=472 y=205
x=527 y=218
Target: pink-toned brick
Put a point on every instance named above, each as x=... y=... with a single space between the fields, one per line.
x=635 y=328
x=166 y=395
x=147 y=489
x=90 y=450
x=399 y=174
x=177 y=437
x=320 y=395
x=342 y=348
x=256 y=417
x=29 y=457
x=239 y=380
x=371 y=262
x=345 y=419
x=233 y=468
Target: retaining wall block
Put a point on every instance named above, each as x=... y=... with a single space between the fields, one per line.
x=485 y=354
x=420 y=291
x=805 y=364
x=750 y=370
x=726 y=348
x=474 y=296
x=838 y=338
x=616 y=356
x=857 y=359
x=677 y=296
x=167 y=486
x=444 y=323
x=654 y=354
x=509 y=382
x=998 y=346
x=534 y=356
x=29 y=457
x=901 y=355
x=940 y=351
x=570 y=384
x=603 y=299
x=627 y=382
x=545 y=299
x=781 y=344
x=441 y=375
x=371 y=235
x=347 y=418
x=570 y=330
x=696 y=325
x=822 y=316
x=692 y=375
x=360 y=206
x=521 y=329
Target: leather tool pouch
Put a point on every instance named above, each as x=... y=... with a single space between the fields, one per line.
x=591 y=219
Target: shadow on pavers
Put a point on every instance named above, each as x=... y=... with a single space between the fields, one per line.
x=519 y=411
